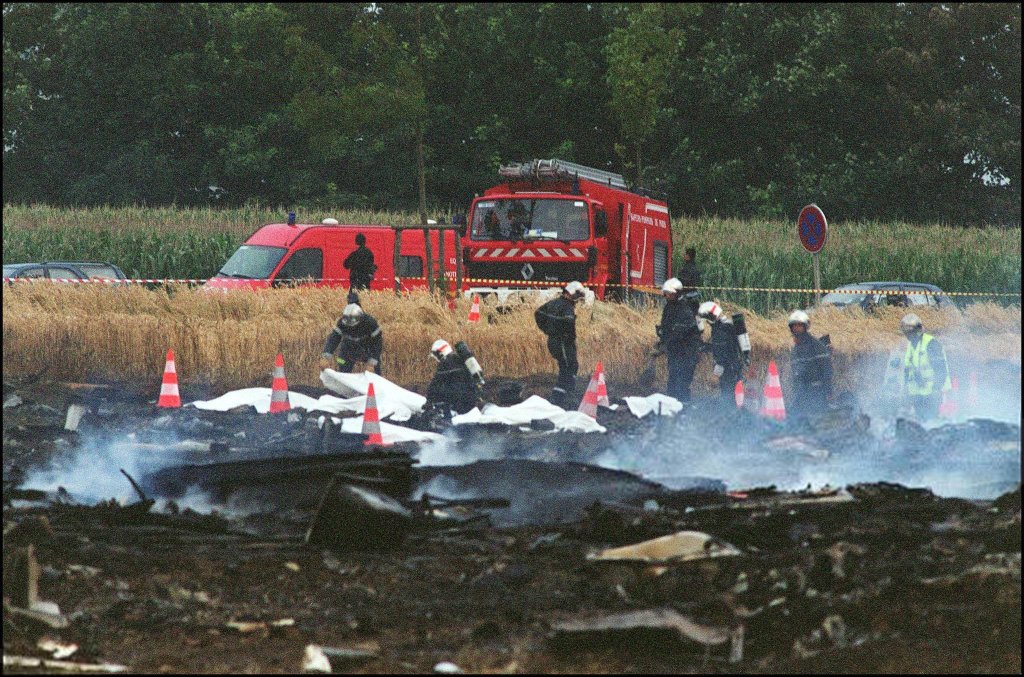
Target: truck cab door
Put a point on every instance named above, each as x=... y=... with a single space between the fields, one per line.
x=304 y=264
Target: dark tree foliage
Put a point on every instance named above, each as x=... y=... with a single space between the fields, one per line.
x=885 y=111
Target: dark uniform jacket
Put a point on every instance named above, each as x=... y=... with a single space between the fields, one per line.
x=453 y=385
x=360 y=342
x=678 y=330
x=557 y=319
x=724 y=346
x=811 y=363
x=361 y=266
x=689 y=276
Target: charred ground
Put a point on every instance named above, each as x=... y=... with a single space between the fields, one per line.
x=876 y=578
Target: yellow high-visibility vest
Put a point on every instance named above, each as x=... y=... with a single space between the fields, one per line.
x=918 y=369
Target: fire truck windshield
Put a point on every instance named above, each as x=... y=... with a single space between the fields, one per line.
x=530 y=219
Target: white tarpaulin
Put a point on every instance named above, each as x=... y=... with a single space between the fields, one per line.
x=641 y=406
x=535 y=407
x=391 y=433
x=260 y=398
x=392 y=400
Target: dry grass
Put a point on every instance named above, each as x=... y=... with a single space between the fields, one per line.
x=230 y=340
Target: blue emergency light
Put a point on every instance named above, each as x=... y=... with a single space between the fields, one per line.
x=291 y=218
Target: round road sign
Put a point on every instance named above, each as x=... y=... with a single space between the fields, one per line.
x=812 y=228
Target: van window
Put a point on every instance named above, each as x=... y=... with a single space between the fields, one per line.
x=99 y=271
x=29 y=272
x=62 y=273
x=410 y=266
x=303 y=264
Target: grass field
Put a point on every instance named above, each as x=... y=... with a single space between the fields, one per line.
x=230 y=340
x=185 y=243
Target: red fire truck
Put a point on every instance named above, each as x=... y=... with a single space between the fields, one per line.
x=554 y=221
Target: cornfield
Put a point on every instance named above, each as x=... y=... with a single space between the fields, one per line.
x=230 y=340
x=193 y=243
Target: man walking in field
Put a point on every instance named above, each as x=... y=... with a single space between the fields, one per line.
x=689 y=275
x=924 y=366
x=557 y=319
x=679 y=338
x=360 y=265
x=725 y=349
x=811 y=363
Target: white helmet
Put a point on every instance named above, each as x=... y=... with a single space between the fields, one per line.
x=673 y=285
x=352 y=315
x=440 y=349
x=910 y=322
x=799 y=317
x=575 y=289
x=709 y=310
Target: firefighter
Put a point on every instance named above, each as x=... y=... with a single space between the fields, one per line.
x=360 y=265
x=689 y=275
x=924 y=366
x=360 y=339
x=679 y=338
x=456 y=383
x=811 y=363
x=725 y=349
x=557 y=319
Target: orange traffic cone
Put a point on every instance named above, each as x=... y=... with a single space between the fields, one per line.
x=589 y=404
x=279 y=389
x=602 y=388
x=738 y=391
x=949 y=408
x=774 y=407
x=371 y=419
x=972 y=392
x=169 y=388
x=474 y=311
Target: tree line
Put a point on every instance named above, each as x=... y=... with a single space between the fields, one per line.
x=901 y=111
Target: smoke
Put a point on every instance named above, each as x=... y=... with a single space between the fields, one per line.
x=451 y=450
x=975 y=454
x=442 y=486
x=93 y=471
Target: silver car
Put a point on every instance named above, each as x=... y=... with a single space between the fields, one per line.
x=868 y=295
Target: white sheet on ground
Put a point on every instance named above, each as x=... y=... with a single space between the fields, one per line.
x=392 y=400
x=391 y=433
x=533 y=408
x=260 y=398
x=641 y=406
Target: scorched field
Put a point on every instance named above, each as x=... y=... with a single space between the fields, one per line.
x=656 y=537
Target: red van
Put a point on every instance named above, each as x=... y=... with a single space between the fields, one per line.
x=279 y=253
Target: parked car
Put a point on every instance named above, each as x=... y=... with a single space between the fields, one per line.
x=868 y=295
x=63 y=270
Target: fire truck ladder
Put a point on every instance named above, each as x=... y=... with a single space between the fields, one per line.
x=560 y=169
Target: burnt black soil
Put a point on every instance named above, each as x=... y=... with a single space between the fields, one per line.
x=894 y=580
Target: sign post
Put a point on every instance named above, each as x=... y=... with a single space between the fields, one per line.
x=813 y=231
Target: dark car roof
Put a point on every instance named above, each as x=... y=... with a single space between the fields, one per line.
x=931 y=287
x=17 y=267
